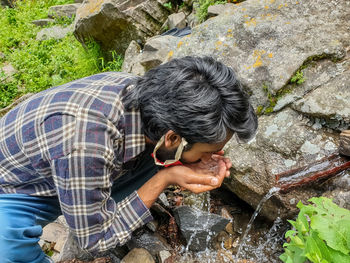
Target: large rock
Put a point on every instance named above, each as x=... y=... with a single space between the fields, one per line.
x=155 y=52
x=198 y=227
x=284 y=141
x=114 y=23
x=267 y=43
x=329 y=103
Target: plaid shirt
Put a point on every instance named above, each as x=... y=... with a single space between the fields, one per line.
x=70 y=141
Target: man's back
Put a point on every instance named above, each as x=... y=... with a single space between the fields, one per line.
x=46 y=127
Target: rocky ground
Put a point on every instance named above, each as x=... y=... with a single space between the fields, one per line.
x=181 y=233
x=292 y=57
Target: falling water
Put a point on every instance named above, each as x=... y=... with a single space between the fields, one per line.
x=272 y=192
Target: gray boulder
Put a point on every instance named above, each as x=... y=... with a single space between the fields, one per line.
x=291 y=57
x=55 y=32
x=155 y=52
x=132 y=59
x=266 y=46
x=177 y=20
x=329 y=104
x=198 y=227
x=114 y=24
x=59 y=11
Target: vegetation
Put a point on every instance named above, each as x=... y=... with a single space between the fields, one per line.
x=297 y=78
x=42 y=64
x=321 y=234
x=202 y=10
x=168 y=5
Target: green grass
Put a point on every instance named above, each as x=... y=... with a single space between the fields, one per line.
x=202 y=10
x=42 y=64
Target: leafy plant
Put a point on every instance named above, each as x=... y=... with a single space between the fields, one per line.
x=168 y=5
x=113 y=65
x=298 y=78
x=320 y=234
x=202 y=9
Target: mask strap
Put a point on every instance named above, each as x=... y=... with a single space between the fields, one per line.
x=178 y=154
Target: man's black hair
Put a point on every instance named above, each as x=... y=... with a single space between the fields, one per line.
x=198 y=98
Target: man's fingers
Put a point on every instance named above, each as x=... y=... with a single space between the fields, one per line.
x=202 y=179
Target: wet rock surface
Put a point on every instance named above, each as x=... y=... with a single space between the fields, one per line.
x=198 y=226
x=283 y=142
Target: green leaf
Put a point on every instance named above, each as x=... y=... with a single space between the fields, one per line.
x=321 y=234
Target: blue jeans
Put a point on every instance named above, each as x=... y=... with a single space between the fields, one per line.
x=23 y=216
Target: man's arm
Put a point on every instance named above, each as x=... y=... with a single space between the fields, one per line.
x=183 y=176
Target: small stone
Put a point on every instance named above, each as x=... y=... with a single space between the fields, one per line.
x=60 y=11
x=8 y=70
x=71 y=249
x=229 y=228
x=177 y=20
x=226 y=214
x=163 y=198
x=152 y=242
x=138 y=255
x=344 y=143
x=163 y=256
x=43 y=22
x=41 y=242
x=152 y=225
x=53 y=231
x=55 y=32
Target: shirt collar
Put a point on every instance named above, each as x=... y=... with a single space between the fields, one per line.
x=134 y=139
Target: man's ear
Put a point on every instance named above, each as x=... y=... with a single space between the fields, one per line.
x=172 y=140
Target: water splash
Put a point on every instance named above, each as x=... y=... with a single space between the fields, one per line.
x=271 y=192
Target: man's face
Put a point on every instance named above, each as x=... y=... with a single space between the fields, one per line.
x=198 y=152
x=202 y=151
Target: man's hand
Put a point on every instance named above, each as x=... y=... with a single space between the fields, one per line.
x=197 y=178
x=200 y=177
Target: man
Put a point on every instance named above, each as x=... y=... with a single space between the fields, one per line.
x=92 y=149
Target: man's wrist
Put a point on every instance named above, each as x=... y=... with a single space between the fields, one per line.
x=163 y=177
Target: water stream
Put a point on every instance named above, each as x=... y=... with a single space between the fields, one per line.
x=271 y=192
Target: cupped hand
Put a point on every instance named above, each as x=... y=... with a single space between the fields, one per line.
x=200 y=177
